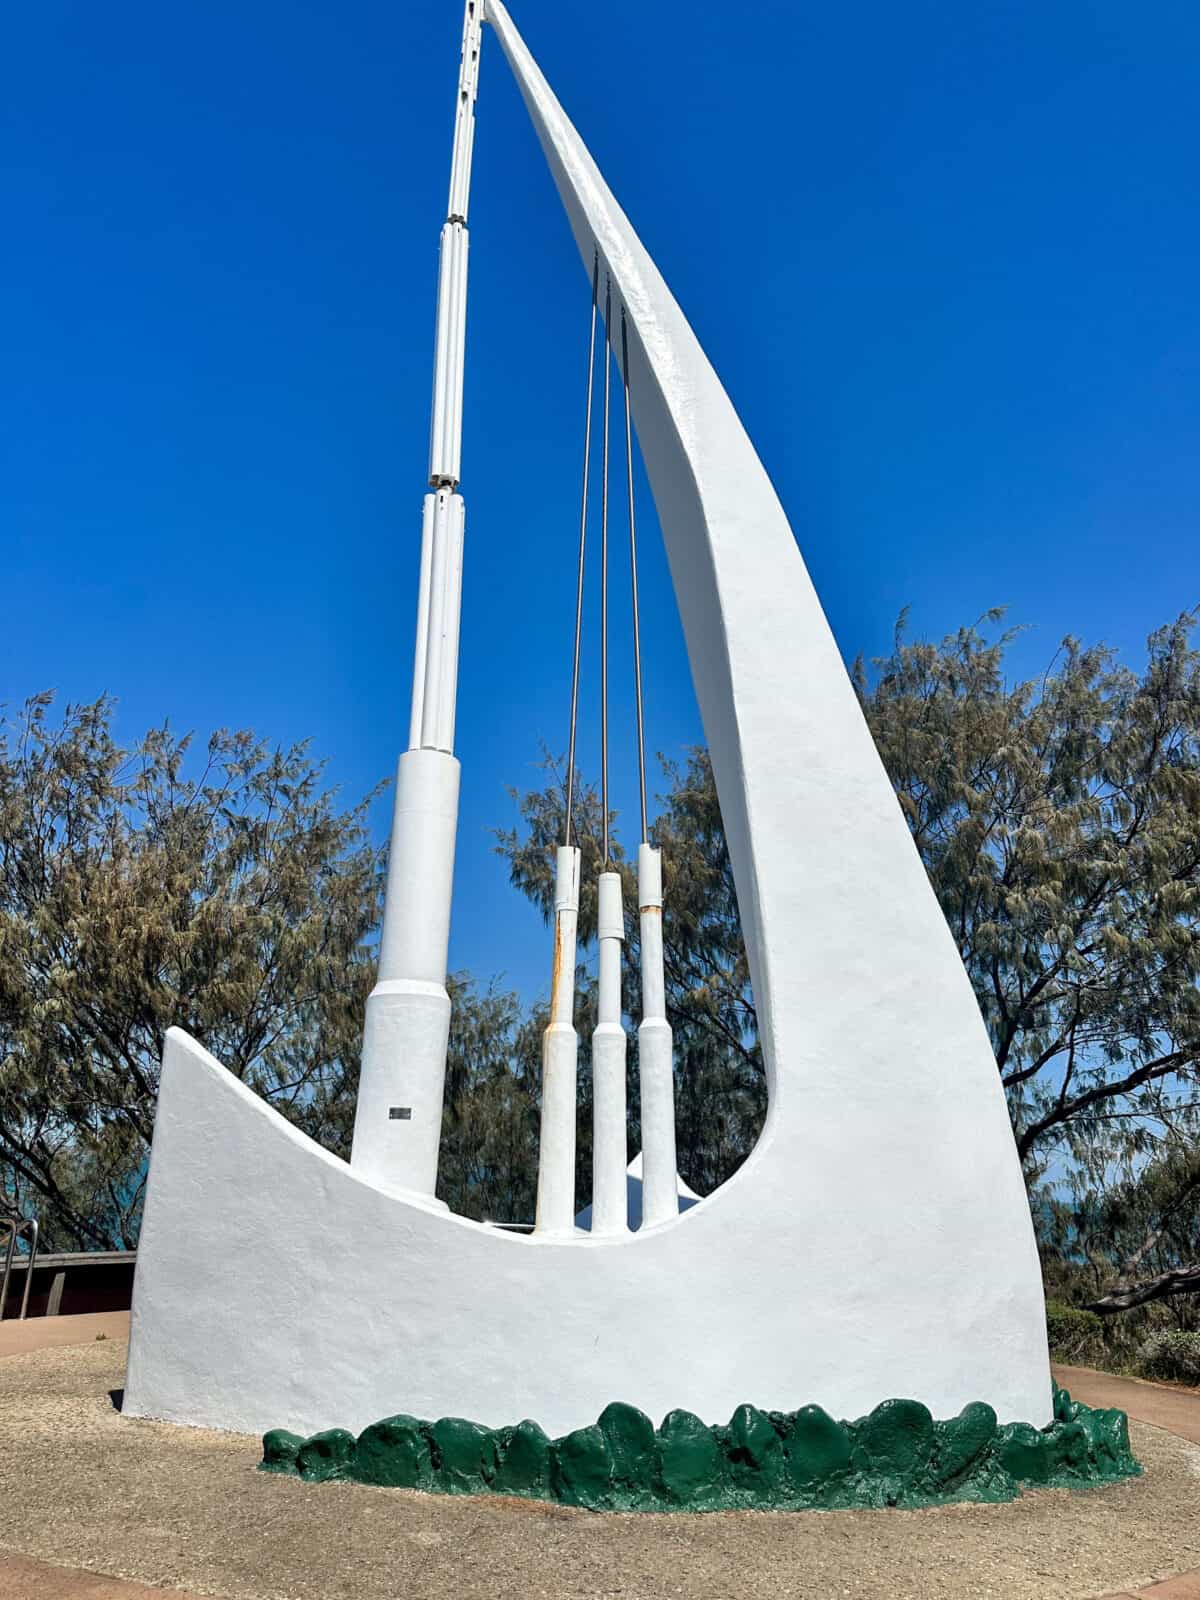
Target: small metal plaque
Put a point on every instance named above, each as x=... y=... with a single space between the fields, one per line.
x=400 y=1113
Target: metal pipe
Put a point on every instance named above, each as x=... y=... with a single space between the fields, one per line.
x=421 y=647
x=33 y=1250
x=16 y=1226
x=560 y=1054
x=455 y=530
x=610 y=1205
x=398 y=1117
x=604 y=580
x=445 y=433
x=660 y=1191
x=12 y=1224
x=583 y=510
x=464 y=118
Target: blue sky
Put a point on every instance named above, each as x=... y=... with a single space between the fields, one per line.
x=944 y=256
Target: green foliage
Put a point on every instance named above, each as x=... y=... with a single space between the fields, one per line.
x=144 y=886
x=720 y=1091
x=1059 y=822
x=1172 y=1356
x=1075 y=1335
x=488 y=1166
x=781 y=1460
x=1125 y=1242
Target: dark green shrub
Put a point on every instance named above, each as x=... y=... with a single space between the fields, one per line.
x=1074 y=1334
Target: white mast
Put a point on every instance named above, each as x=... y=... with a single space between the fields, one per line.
x=398 y=1121
x=610 y=1194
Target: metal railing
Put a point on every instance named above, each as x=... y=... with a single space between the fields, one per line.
x=16 y=1227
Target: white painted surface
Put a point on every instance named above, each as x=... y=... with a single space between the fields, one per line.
x=398 y=1119
x=609 y=1155
x=445 y=433
x=408 y=1012
x=656 y=1072
x=685 y=1197
x=464 y=115
x=436 y=650
x=560 y=1057
x=421 y=633
x=876 y=1243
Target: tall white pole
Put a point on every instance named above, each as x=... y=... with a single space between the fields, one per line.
x=560 y=1053
x=398 y=1120
x=610 y=1195
x=660 y=1194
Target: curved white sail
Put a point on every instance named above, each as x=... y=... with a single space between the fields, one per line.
x=877 y=1243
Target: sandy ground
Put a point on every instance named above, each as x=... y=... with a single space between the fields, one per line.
x=84 y=1487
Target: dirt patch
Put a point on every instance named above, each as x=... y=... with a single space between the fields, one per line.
x=85 y=1487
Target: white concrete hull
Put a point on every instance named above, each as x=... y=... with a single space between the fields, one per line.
x=275 y=1288
x=877 y=1243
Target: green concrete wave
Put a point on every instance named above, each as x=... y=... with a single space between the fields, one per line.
x=761 y=1460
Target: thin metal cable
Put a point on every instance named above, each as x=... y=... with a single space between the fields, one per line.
x=583 y=511
x=604 y=577
x=633 y=572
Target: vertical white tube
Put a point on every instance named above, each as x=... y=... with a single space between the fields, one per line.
x=560 y=1058
x=398 y=1119
x=445 y=432
x=422 y=635
x=455 y=529
x=458 y=344
x=443 y=371
x=435 y=630
x=438 y=651
x=464 y=116
x=660 y=1197
x=610 y=1205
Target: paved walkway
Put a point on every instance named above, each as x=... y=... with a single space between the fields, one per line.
x=23 y=1579
x=45 y=1333
x=1176 y=1411
x=1159 y=1404
x=956 y=1551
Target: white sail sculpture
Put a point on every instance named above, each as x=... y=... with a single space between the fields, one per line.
x=876 y=1243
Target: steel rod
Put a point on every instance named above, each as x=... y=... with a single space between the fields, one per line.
x=583 y=511
x=604 y=578
x=633 y=574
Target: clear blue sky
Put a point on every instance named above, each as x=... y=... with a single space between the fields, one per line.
x=946 y=258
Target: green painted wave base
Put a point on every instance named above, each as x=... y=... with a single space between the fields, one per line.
x=763 y=1460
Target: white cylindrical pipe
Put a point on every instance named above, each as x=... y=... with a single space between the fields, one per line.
x=610 y=1204
x=451 y=614
x=660 y=1195
x=398 y=1121
x=445 y=433
x=397 y=1125
x=441 y=354
x=464 y=119
x=560 y=1058
x=458 y=336
x=421 y=644
x=444 y=610
x=435 y=632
